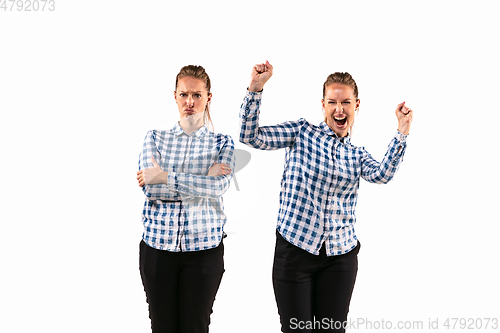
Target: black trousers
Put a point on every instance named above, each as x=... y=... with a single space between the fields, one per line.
x=180 y=287
x=312 y=292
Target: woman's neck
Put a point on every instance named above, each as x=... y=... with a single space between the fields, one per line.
x=192 y=123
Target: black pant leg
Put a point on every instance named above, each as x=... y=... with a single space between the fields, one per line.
x=293 y=273
x=199 y=279
x=334 y=285
x=159 y=274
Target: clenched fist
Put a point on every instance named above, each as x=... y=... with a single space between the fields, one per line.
x=405 y=117
x=260 y=74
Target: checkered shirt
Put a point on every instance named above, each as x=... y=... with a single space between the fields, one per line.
x=187 y=213
x=319 y=188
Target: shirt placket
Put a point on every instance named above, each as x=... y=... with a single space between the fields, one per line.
x=184 y=169
x=332 y=204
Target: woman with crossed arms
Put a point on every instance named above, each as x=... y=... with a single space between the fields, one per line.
x=315 y=261
x=183 y=173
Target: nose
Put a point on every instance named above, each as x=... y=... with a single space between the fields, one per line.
x=190 y=101
x=338 y=107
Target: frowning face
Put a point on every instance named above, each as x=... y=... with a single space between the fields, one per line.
x=340 y=105
x=191 y=96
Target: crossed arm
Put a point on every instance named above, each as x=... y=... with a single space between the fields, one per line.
x=158 y=184
x=156 y=175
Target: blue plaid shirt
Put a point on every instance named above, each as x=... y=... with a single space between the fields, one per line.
x=187 y=213
x=319 y=188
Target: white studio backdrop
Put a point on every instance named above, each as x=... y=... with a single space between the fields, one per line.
x=82 y=84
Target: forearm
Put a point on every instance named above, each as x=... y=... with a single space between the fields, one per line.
x=178 y=186
x=249 y=118
x=188 y=185
x=382 y=173
x=212 y=184
x=160 y=192
x=264 y=137
x=164 y=190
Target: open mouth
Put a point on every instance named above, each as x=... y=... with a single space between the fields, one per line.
x=340 y=121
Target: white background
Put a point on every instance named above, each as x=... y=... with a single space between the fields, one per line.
x=80 y=87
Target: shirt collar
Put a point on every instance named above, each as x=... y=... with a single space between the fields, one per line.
x=325 y=128
x=200 y=132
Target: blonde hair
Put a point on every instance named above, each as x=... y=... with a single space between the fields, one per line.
x=343 y=78
x=197 y=72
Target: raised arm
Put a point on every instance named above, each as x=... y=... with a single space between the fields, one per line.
x=266 y=137
x=381 y=173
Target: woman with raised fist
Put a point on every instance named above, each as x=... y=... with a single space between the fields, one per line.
x=183 y=173
x=315 y=261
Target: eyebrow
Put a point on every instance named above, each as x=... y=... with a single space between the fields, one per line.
x=331 y=99
x=194 y=92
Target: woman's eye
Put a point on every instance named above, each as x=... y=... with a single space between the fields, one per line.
x=346 y=102
x=197 y=95
x=182 y=95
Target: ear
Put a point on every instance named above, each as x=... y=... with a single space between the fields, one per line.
x=209 y=97
x=175 y=96
x=358 y=101
x=323 y=103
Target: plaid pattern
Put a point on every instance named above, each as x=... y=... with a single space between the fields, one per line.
x=187 y=213
x=319 y=188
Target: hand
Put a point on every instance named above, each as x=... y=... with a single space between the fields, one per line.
x=405 y=117
x=152 y=175
x=219 y=169
x=260 y=74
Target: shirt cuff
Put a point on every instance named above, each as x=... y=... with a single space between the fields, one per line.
x=401 y=137
x=254 y=94
x=172 y=181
